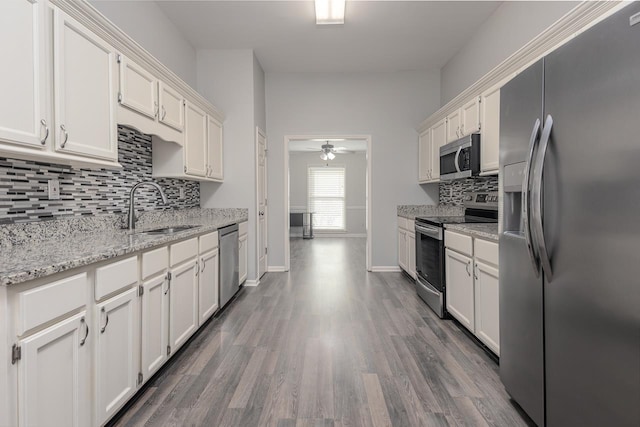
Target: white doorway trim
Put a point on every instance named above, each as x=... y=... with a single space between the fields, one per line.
x=287 y=140
x=260 y=133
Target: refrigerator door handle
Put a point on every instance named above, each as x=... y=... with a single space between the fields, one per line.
x=526 y=198
x=457 y=159
x=545 y=262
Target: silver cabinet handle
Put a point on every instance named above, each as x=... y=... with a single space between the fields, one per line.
x=204 y=264
x=457 y=159
x=66 y=136
x=86 y=334
x=538 y=230
x=467 y=267
x=155 y=106
x=475 y=271
x=104 y=328
x=164 y=113
x=462 y=129
x=526 y=198
x=43 y=122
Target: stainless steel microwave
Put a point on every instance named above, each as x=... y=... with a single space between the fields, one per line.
x=461 y=158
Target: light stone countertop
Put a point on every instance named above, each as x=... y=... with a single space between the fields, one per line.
x=39 y=256
x=413 y=211
x=482 y=231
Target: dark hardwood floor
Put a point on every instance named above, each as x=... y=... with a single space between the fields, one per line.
x=328 y=344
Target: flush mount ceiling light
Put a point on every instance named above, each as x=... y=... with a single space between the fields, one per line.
x=330 y=12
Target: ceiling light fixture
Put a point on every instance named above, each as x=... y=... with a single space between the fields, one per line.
x=327 y=152
x=330 y=12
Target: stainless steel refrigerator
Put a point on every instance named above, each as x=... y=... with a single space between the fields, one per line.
x=570 y=247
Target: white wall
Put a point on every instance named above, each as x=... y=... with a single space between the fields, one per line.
x=147 y=24
x=259 y=102
x=226 y=78
x=387 y=106
x=355 y=165
x=510 y=27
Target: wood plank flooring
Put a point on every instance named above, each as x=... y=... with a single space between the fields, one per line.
x=328 y=344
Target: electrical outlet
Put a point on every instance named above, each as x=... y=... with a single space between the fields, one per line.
x=182 y=196
x=53 y=186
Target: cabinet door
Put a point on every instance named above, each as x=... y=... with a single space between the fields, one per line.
x=85 y=71
x=138 y=88
x=171 y=107
x=411 y=254
x=24 y=78
x=438 y=139
x=118 y=354
x=460 y=300
x=183 y=303
x=402 y=249
x=424 y=156
x=54 y=376
x=487 y=295
x=490 y=144
x=470 y=120
x=215 y=149
x=155 y=324
x=195 y=144
x=208 y=285
x=242 y=258
x=453 y=126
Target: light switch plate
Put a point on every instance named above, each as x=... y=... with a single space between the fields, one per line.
x=53 y=189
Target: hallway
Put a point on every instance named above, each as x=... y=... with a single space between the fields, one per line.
x=327 y=344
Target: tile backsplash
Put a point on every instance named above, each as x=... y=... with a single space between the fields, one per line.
x=451 y=192
x=23 y=186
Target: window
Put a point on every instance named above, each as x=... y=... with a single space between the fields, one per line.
x=326 y=197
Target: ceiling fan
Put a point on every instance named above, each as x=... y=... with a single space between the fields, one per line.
x=328 y=151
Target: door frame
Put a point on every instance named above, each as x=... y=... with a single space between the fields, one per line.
x=259 y=133
x=287 y=140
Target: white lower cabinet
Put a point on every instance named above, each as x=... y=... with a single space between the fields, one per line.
x=208 y=285
x=459 y=295
x=402 y=249
x=411 y=254
x=118 y=352
x=154 y=318
x=407 y=246
x=487 y=305
x=243 y=258
x=183 y=303
x=54 y=375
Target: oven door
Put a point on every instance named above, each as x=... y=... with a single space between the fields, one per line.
x=430 y=255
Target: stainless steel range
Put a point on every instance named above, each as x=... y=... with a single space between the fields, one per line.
x=430 y=268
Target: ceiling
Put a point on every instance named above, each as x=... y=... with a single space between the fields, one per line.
x=310 y=145
x=378 y=36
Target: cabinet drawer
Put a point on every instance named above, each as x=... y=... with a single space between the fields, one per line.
x=182 y=251
x=243 y=228
x=47 y=302
x=116 y=276
x=208 y=242
x=402 y=222
x=458 y=242
x=154 y=262
x=486 y=251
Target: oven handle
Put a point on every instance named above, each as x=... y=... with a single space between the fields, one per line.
x=429 y=231
x=457 y=159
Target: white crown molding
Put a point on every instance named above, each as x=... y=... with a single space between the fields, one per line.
x=577 y=20
x=96 y=22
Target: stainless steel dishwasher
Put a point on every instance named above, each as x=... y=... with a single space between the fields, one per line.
x=229 y=284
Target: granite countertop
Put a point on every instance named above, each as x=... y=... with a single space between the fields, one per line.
x=38 y=256
x=413 y=211
x=482 y=231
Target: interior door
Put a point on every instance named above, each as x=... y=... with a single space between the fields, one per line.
x=262 y=203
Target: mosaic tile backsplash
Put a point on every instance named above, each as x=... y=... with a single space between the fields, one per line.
x=83 y=192
x=451 y=192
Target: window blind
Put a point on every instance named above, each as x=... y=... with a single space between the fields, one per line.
x=325 y=188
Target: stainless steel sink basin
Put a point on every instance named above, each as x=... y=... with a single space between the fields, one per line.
x=167 y=230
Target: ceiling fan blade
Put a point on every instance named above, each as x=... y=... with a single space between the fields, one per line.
x=338 y=151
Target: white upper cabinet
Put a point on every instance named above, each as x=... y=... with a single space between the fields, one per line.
x=195 y=147
x=424 y=156
x=453 y=126
x=24 y=79
x=138 y=88
x=470 y=117
x=171 y=107
x=215 y=154
x=490 y=141
x=438 y=139
x=85 y=71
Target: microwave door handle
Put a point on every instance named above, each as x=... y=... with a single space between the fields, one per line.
x=526 y=198
x=457 y=159
x=536 y=194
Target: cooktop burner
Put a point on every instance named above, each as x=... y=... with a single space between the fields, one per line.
x=439 y=220
x=479 y=208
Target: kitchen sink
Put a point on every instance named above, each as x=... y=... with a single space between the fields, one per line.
x=167 y=230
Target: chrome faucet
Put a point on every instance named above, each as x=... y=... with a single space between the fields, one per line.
x=132 y=213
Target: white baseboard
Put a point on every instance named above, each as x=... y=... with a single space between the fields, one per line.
x=339 y=235
x=385 y=269
x=251 y=283
x=276 y=269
